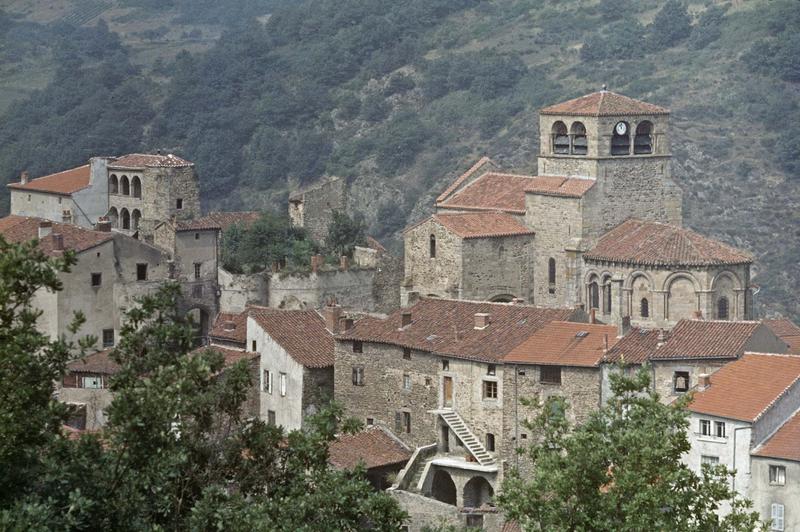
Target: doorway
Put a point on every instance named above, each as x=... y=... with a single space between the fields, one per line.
x=448 y=392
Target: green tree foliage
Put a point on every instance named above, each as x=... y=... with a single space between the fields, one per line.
x=671 y=25
x=611 y=10
x=176 y=453
x=345 y=233
x=624 y=39
x=271 y=238
x=620 y=471
x=779 y=54
x=708 y=28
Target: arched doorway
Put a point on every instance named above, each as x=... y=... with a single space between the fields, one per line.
x=126 y=218
x=477 y=492
x=198 y=318
x=443 y=488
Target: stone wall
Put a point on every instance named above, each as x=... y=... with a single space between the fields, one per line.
x=317 y=389
x=41 y=205
x=352 y=288
x=664 y=374
x=425 y=513
x=95 y=400
x=438 y=276
x=764 y=494
x=237 y=291
x=313 y=208
x=497 y=269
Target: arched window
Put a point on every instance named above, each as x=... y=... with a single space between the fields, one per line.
x=594 y=295
x=643 y=141
x=432 y=249
x=126 y=219
x=578 y=134
x=126 y=186
x=551 y=274
x=113 y=184
x=722 y=308
x=560 y=139
x=621 y=139
x=607 y=298
x=113 y=217
x=644 y=308
x=135 y=217
x=136 y=187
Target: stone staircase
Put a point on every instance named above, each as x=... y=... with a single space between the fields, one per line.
x=466 y=436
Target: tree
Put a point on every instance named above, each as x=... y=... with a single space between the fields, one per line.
x=671 y=25
x=345 y=233
x=620 y=471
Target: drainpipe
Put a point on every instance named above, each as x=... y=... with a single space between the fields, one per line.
x=733 y=481
x=516 y=416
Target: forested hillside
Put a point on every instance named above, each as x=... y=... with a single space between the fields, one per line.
x=400 y=96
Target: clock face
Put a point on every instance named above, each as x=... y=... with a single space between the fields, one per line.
x=621 y=128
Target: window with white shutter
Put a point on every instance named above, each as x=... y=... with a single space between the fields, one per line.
x=777 y=517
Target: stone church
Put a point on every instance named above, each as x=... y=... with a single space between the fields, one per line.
x=598 y=226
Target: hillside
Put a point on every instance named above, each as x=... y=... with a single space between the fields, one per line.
x=399 y=97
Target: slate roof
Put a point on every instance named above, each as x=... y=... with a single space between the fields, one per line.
x=657 y=244
x=635 y=347
x=301 y=333
x=784 y=444
x=565 y=344
x=603 y=103
x=148 y=160
x=99 y=362
x=482 y=224
x=702 y=339
x=225 y=319
x=447 y=327
x=746 y=388
x=372 y=447
x=64 y=183
x=24 y=228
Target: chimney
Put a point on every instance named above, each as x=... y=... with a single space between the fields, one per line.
x=662 y=337
x=23 y=178
x=703 y=381
x=605 y=343
x=58 y=242
x=593 y=316
x=229 y=326
x=344 y=263
x=45 y=228
x=412 y=298
x=347 y=324
x=698 y=315
x=580 y=306
x=103 y=225
x=517 y=301
x=481 y=320
x=405 y=318
x=332 y=314
x=624 y=326
x=66 y=216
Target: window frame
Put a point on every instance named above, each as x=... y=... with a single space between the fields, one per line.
x=179 y=204
x=707 y=459
x=141 y=267
x=358 y=346
x=432 y=246
x=675 y=381
x=266 y=381
x=407 y=382
x=779 y=477
x=282 y=383
x=491 y=390
x=197 y=266
x=96 y=276
x=720 y=433
x=777 y=523
x=92 y=377
x=106 y=342
x=545 y=372
x=705 y=427
x=357 y=374
x=406 y=353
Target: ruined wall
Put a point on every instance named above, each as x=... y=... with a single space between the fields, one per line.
x=313 y=208
x=239 y=290
x=497 y=269
x=439 y=276
x=386 y=283
x=352 y=288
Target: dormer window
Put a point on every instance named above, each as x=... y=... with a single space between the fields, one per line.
x=643 y=141
x=560 y=139
x=578 y=135
x=621 y=139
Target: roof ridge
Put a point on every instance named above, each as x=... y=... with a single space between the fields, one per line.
x=766 y=439
x=463 y=177
x=775 y=399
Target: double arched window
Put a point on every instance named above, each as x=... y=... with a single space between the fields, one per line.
x=560 y=138
x=573 y=142
x=643 y=141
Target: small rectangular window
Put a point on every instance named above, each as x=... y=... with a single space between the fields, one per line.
x=406 y=382
x=358 y=346
x=97 y=279
x=108 y=337
x=271 y=417
x=370 y=421
x=196 y=270
x=491 y=369
x=490 y=389
x=197 y=236
x=266 y=381
x=777 y=517
x=680 y=381
x=521 y=373
x=709 y=460
x=550 y=375
x=179 y=203
x=407 y=422
x=406 y=353
x=197 y=291
x=428 y=381
x=490 y=442
x=719 y=429
x=705 y=427
x=253 y=346
x=777 y=475
x=445 y=365
x=358 y=376
x=141 y=272
x=283 y=384
x=93 y=381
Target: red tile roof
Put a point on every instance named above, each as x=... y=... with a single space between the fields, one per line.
x=231 y=356
x=746 y=388
x=231 y=327
x=447 y=327
x=603 y=103
x=783 y=444
x=635 y=347
x=706 y=339
x=569 y=187
x=563 y=343
x=147 y=160
x=658 y=244
x=482 y=224
x=23 y=229
x=64 y=183
x=466 y=175
x=372 y=447
x=783 y=328
x=301 y=333
x=99 y=362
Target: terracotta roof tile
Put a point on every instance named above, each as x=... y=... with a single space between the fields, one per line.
x=231 y=356
x=23 y=229
x=746 y=388
x=565 y=344
x=784 y=443
x=99 y=362
x=782 y=327
x=482 y=224
x=491 y=191
x=635 y=347
x=147 y=160
x=466 y=175
x=658 y=244
x=447 y=327
x=706 y=339
x=372 y=447
x=570 y=187
x=373 y=243
x=231 y=327
x=604 y=103
x=301 y=333
x=65 y=182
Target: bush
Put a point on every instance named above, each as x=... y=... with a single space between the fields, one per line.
x=398 y=84
x=708 y=28
x=671 y=25
x=375 y=108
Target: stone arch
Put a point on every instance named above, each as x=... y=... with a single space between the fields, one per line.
x=593 y=291
x=606 y=292
x=577 y=134
x=559 y=138
x=643 y=140
x=631 y=278
x=641 y=285
x=125 y=186
x=125 y=216
x=621 y=143
x=136 y=216
x=726 y=275
x=443 y=488
x=113 y=184
x=136 y=187
x=477 y=492
x=682 y=289
x=503 y=298
x=113 y=217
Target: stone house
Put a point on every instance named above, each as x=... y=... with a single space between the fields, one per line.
x=678 y=358
x=295 y=349
x=85 y=386
x=737 y=409
x=375 y=449
x=774 y=474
